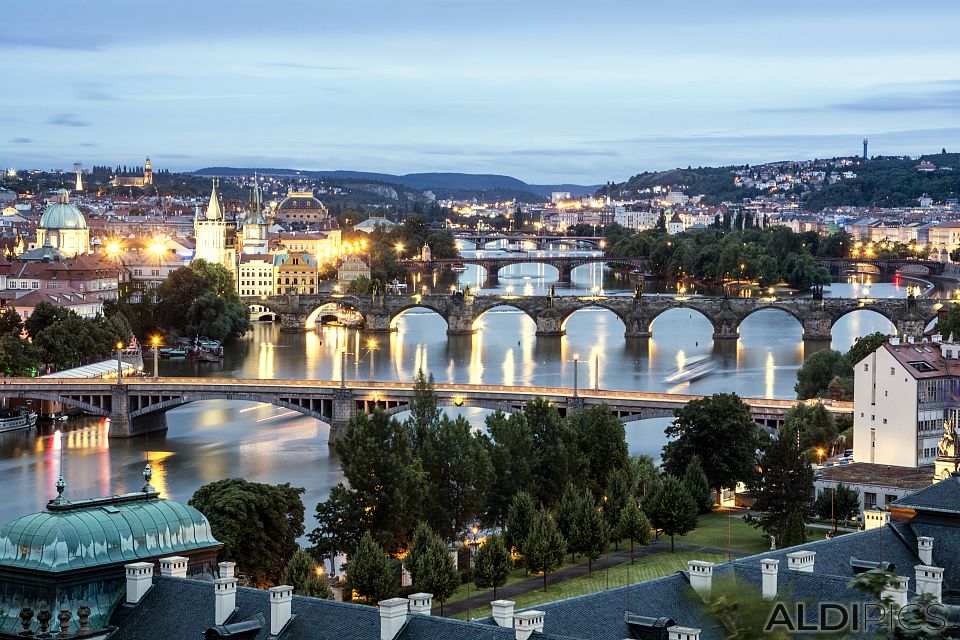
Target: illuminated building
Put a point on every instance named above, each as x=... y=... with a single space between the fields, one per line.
x=216 y=239
x=135 y=181
x=63 y=227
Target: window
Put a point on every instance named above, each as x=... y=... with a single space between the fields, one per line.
x=884 y=421
x=866 y=367
x=873 y=417
x=888 y=498
x=869 y=500
x=893 y=371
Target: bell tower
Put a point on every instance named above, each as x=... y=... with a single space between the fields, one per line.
x=147 y=173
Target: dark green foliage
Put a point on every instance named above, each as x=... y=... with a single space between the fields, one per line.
x=301 y=574
x=590 y=533
x=697 y=484
x=671 y=508
x=44 y=315
x=10 y=321
x=214 y=317
x=423 y=535
x=783 y=490
x=512 y=457
x=633 y=524
x=492 y=565
x=520 y=517
x=202 y=299
x=817 y=427
x=865 y=345
x=339 y=524
x=555 y=444
x=948 y=325
x=435 y=569
x=819 y=370
x=842 y=504
x=642 y=473
x=370 y=571
x=62 y=338
x=567 y=512
x=17 y=356
x=601 y=438
x=424 y=411
x=258 y=524
x=743 y=613
x=616 y=495
x=376 y=458
x=457 y=465
x=720 y=429
x=544 y=548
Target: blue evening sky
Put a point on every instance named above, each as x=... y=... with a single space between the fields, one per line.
x=552 y=91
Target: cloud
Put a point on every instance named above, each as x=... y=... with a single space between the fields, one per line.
x=941 y=100
x=66 y=42
x=21 y=140
x=89 y=144
x=173 y=156
x=95 y=91
x=494 y=153
x=67 y=120
x=310 y=67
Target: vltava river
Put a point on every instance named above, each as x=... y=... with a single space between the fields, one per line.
x=211 y=440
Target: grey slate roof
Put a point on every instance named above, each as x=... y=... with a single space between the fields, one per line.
x=942 y=497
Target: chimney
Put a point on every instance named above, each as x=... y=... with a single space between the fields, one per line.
x=925 y=549
x=280 y=601
x=897 y=591
x=930 y=580
x=227 y=569
x=225 y=599
x=682 y=633
x=527 y=622
x=875 y=518
x=174 y=567
x=421 y=603
x=801 y=561
x=701 y=576
x=769 y=567
x=393 y=615
x=503 y=613
x=139 y=580
x=895 y=341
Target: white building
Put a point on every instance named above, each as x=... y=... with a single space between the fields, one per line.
x=255 y=275
x=639 y=220
x=902 y=395
x=675 y=224
x=216 y=240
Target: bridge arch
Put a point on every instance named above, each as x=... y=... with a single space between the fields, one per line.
x=774 y=307
x=323 y=310
x=682 y=307
x=68 y=401
x=860 y=321
x=505 y=305
x=187 y=398
x=594 y=305
x=417 y=305
x=260 y=313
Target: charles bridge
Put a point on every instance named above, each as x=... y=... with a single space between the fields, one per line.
x=137 y=406
x=461 y=310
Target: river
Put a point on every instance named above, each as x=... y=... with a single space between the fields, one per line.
x=214 y=439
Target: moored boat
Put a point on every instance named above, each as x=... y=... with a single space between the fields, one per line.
x=15 y=419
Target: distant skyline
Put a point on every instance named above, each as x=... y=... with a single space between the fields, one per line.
x=548 y=92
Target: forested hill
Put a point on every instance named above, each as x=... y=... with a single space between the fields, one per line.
x=885 y=181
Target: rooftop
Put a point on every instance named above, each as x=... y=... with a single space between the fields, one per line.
x=878 y=474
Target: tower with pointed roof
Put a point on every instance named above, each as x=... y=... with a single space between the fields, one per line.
x=254 y=224
x=213 y=233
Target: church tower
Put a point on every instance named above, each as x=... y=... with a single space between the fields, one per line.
x=79 y=171
x=210 y=230
x=147 y=173
x=254 y=224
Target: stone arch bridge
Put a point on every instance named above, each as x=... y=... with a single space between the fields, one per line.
x=550 y=313
x=493 y=264
x=137 y=406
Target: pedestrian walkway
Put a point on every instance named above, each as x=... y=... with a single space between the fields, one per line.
x=480 y=603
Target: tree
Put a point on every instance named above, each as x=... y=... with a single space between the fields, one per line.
x=671 y=508
x=512 y=457
x=422 y=537
x=214 y=317
x=493 y=564
x=590 y=533
x=424 y=411
x=865 y=345
x=545 y=546
x=520 y=517
x=633 y=524
x=458 y=470
x=817 y=372
x=436 y=572
x=642 y=473
x=10 y=321
x=742 y=612
x=817 y=427
x=839 y=503
x=376 y=458
x=258 y=524
x=302 y=573
x=721 y=430
x=369 y=571
x=202 y=299
x=783 y=490
x=948 y=325
x=339 y=519
x=44 y=315
x=697 y=484
x=616 y=495
x=17 y=356
x=602 y=442
x=556 y=459
x=567 y=511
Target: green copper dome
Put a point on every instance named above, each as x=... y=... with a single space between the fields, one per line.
x=92 y=533
x=62 y=215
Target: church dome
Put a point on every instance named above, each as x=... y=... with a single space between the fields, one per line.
x=62 y=215
x=299 y=201
x=100 y=532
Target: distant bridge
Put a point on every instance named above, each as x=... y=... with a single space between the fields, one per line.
x=540 y=240
x=492 y=264
x=550 y=313
x=885 y=266
x=137 y=405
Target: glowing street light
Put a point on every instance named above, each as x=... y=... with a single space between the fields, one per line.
x=155 y=341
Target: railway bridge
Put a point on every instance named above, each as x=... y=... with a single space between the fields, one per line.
x=461 y=310
x=136 y=406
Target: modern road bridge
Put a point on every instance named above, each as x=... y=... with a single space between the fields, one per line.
x=136 y=406
x=461 y=310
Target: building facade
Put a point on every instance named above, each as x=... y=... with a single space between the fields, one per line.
x=255 y=275
x=294 y=273
x=63 y=227
x=215 y=237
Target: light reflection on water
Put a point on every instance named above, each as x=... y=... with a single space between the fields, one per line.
x=210 y=440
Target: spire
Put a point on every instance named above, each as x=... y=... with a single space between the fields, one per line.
x=214 y=211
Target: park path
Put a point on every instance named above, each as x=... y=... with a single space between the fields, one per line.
x=480 y=604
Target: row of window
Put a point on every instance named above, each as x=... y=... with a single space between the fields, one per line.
x=870 y=499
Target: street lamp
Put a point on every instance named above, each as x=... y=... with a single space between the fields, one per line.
x=399 y=248
x=576 y=367
x=155 y=341
x=371 y=349
x=472 y=545
x=119 y=362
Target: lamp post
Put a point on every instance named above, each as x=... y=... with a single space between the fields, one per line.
x=343 y=369
x=119 y=362
x=596 y=374
x=576 y=367
x=471 y=545
x=156 y=356
x=372 y=350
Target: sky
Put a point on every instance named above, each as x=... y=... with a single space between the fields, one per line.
x=547 y=91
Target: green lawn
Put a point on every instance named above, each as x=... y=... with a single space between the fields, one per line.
x=719 y=528
x=648 y=568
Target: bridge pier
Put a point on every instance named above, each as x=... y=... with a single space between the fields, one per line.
x=378 y=322
x=817 y=327
x=293 y=322
x=122 y=425
x=550 y=324
x=344 y=408
x=565 y=272
x=910 y=327
x=460 y=324
x=638 y=325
